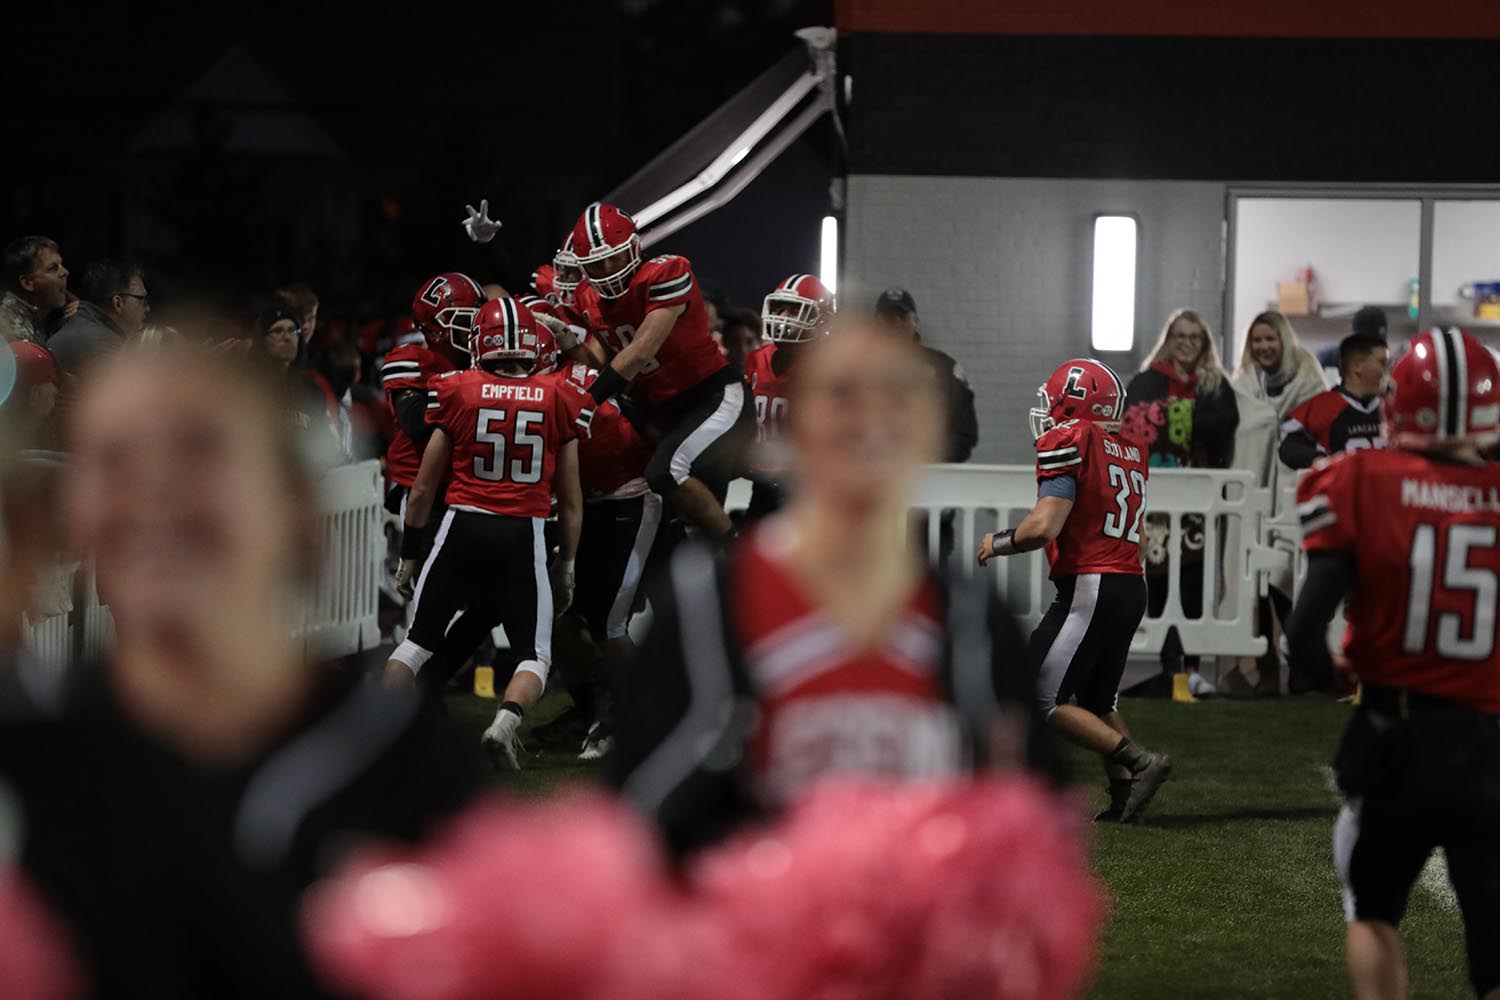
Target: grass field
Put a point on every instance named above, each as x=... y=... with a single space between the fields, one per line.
x=1226 y=889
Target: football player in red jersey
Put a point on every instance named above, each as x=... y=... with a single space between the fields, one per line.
x=443 y=312
x=1091 y=491
x=1409 y=534
x=797 y=310
x=823 y=644
x=621 y=521
x=1344 y=418
x=506 y=442
x=650 y=319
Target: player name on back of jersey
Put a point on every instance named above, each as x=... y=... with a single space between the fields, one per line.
x=518 y=391
x=1115 y=449
x=1451 y=498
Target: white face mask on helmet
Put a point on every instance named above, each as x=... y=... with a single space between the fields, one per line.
x=788 y=318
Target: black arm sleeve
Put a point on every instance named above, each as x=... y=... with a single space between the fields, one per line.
x=1329 y=577
x=411 y=416
x=963 y=423
x=1298 y=450
x=693 y=804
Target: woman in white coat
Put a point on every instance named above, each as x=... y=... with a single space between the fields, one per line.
x=1275 y=375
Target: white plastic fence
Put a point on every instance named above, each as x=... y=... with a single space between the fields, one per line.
x=1248 y=537
x=341 y=616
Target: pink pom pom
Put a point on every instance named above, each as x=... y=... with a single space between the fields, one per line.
x=525 y=901
x=976 y=890
x=35 y=961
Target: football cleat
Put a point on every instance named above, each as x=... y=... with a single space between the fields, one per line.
x=502 y=742
x=1147 y=781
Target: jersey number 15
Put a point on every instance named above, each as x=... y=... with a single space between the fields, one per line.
x=1457 y=577
x=1125 y=522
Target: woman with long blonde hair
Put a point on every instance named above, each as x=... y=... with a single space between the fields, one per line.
x=1181 y=407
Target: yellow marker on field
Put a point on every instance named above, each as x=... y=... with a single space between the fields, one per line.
x=484 y=682
x=1180 y=691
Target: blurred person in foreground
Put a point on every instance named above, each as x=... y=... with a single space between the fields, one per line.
x=179 y=796
x=1276 y=375
x=1181 y=406
x=114 y=307
x=1409 y=535
x=35 y=285
x=1091 y=494
x=823 y=643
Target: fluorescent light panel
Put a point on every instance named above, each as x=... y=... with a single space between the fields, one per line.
x=1113 y=326
x=828 y=265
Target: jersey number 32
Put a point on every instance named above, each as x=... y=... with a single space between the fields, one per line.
x=1125 y=521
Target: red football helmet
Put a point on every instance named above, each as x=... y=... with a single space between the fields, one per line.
x=566 y=273
x=797 y=310
x=444 y=310
x=1081 y=389
x=545 y=314
x=504 y=331
x=607 y=248
x=1446 y=388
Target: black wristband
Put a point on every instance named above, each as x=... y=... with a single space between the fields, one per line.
x=511 y=706
x=411 y=542
x=1003 y=544
x=607 y=384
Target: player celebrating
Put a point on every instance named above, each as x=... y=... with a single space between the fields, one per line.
x=797 y=310
x=507 y=442
x=1090 y=496
x=1409 y=533
x=443 y=312
x=650 y=318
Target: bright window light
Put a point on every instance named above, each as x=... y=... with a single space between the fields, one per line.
x=828 y=267
x=1114 y=283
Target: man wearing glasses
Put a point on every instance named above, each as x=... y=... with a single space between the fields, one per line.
x=113 y=309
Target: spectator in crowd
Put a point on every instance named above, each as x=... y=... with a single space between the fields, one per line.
x=898 y=310
x=741 y=335
x=1345 y=417
x=1182 y=407
x=352 y=405
x=278 y=345
x=114 y=306
x=1276 y=374
x=33 y=398
x=716 y=302
x=1369 y=322
x=36 y=285
x=302 y=302
x=178 y=797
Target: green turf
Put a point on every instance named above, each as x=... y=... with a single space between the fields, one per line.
x=1226 y=889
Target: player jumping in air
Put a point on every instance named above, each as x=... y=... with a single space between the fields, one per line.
x=650 y=320
x=1409 y=533
x=1091 y=493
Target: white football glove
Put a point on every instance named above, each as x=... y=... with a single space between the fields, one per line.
x=480 y=227
x=406 y=577
x=567 y=335
x=562 y=586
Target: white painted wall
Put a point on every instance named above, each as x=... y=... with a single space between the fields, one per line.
x=1000 y=270
x=1465 y=246
x=1361 y=251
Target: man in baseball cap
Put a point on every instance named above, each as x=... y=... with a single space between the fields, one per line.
x=896 y=308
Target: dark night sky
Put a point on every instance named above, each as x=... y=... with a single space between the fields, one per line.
x=538 y=107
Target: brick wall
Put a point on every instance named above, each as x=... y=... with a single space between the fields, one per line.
x=1000 y=271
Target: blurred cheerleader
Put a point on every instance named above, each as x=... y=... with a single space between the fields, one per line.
x=824 y=644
